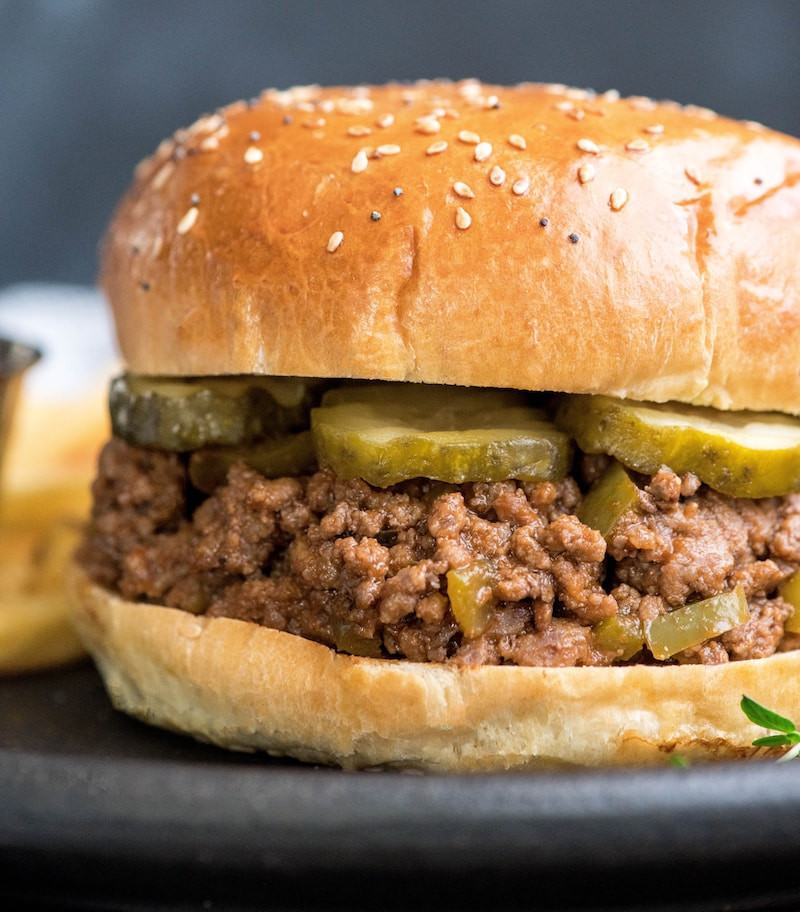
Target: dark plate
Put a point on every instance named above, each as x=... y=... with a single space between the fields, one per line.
x=100 y=812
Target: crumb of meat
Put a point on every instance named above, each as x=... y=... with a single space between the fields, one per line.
x=335 y=560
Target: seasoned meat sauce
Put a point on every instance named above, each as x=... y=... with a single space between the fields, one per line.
x=358 y=568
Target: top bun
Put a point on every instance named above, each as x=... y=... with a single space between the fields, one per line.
x=535 y=237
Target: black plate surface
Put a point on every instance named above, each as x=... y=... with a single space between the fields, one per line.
x=100 y=812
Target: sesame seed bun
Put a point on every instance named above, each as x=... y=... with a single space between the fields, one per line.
x=469 y=234
x=533 y=237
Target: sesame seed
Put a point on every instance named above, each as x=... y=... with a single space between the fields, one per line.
x=436 y=148
x=385 y=120
x=253 y=155
x=521 y=186
x=398 y=191
x=497 y=176
x=358 y=131
x=574 y=238
x=335 y=241
x=576 y=114
x=618 y=199
x=375 y=216
x=464 y=190
x=564 y=106
x=194 y=199
x=580 y=94
x=188 y=220
x=209 y=143
x=359 y=162
x=698 y=111
x=463 y=218
x=588 y=145
x=388 y=149
x=287 y=119
x=586 y=173
x=354 y=106
x=468 y=137
x=482 y=151
x=654 y=129
x=493 y=102
x=517 y=141
x=637 y=145
x=544 y=221
x=428 y=126
x=639 y=103
x=163 y=174
x=255 y=136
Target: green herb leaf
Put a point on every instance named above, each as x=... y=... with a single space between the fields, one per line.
x=766 y=718
x=775 y=741
x=679 y=760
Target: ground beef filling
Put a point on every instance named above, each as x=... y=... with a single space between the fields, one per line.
x=364 y=569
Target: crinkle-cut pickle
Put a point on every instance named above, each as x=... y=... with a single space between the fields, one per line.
x=743 y=454
x=695 y=623
x=185 y=414
x=393 y=432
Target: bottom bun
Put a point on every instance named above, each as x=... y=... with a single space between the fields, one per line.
x=247 y=687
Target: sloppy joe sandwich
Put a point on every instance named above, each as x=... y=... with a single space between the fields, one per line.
x=457 y=430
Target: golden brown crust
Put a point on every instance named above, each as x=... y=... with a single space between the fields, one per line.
x=247 y=687
x=684 y=281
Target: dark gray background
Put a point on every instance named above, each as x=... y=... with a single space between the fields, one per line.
x=88 y=87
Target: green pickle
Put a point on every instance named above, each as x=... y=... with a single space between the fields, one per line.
x=469 y=590
x=692 y=624
x=789 y=591
x=743 y=454
x=347 y=640
x=291 y=454
x=609 y=498
x=622 y=634
x=388 y=433
x=188 y=414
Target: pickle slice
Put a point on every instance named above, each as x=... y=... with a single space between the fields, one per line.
x=743 y=454
x=192 y=413
x=611 y=496
x=393 y=432
x=291 y=454
x=789 y=591
x=691 y=625
x=469 y=589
